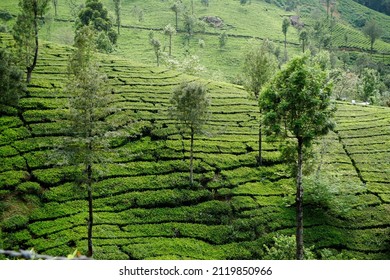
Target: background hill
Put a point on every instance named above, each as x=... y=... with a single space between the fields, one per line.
x=240 y=22
x=145 y=206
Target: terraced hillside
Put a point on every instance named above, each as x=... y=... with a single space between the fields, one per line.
x=144 y=205
x=241 y=22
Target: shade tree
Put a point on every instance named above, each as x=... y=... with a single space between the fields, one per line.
x=26 y=32
x=296 y=105
x=89 y=103
x=259 y=67
x=190 y=109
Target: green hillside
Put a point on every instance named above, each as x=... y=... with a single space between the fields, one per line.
x=145 y=207
x=260 y=19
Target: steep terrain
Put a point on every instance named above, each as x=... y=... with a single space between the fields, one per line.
x=260 y=19
x=144 y=205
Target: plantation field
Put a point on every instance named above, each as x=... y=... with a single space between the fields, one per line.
x=259 y=20
x=145 y=207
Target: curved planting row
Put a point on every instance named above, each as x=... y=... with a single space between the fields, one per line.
x=145 y=207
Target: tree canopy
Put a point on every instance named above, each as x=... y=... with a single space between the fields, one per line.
x=373 y=32
x=296 y=104
x=189 y=107
x=25 y=32
x=11 y=83
x=96 y=15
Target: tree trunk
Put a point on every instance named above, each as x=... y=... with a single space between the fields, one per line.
x=176 y=19
x=55 y=8
x=285 y=42
x=90 y=210
x=170 y=44
x=260 y=159
x=192 y=157
x=299 y=203
x=31 y=67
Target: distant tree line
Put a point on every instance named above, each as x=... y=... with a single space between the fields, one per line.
x=382 y=6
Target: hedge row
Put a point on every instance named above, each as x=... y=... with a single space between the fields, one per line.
x=148 y=199
x=186 y=247
x=210 y=212
x=215 y=234
x=7 y=122
x=39 y=143
x=55 y=176
x=150 y=168
x=37 y=116
x=12 y=163
x=281 y=187
x=10 y=135
x=34 y=103
x=43 y=228
x=10 y=179
x=53 y=210
x=8 y=151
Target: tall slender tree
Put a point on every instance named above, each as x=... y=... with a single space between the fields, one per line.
x=177 y=7
x=372 y=32
x=88 y=105
x=55 y=5
x=156 y=44
x=169 y=31
x=303 y=37
x=259 y=66
x=118 y=8
x=296 y=104
x=26 y=31
x=189 y=107
x=285 y=26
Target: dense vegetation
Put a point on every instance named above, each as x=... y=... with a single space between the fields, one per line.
x=145 y=206
x=382 y=6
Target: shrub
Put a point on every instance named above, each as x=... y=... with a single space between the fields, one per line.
x=12 y=178
x=15 y=222
x=284 y=248
x=5 y=15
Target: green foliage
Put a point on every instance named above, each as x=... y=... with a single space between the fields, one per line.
x=189 y=105
x=118 y=9
x=298 y=101
x=156 y=44
x=5 y=15
x=25 y=32
x=303 y=38
x=12 y=178
x=14 y=222
x=223 y=37
x=259 y=66
x=373 y=32
x=96 y=15
x=29 y=188
x=284 y=249
x=10 y=80
x=103 y=43
x=369 y=86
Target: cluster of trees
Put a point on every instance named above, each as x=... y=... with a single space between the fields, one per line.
x=382 y=6
x=356 y=77
x=294 y=103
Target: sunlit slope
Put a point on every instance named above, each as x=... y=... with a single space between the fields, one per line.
x=241 y=22
x=144 y=205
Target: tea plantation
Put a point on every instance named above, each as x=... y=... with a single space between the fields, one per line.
x=145 y=207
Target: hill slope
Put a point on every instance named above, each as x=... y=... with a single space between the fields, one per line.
x=260 y=19
x=145 y=207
